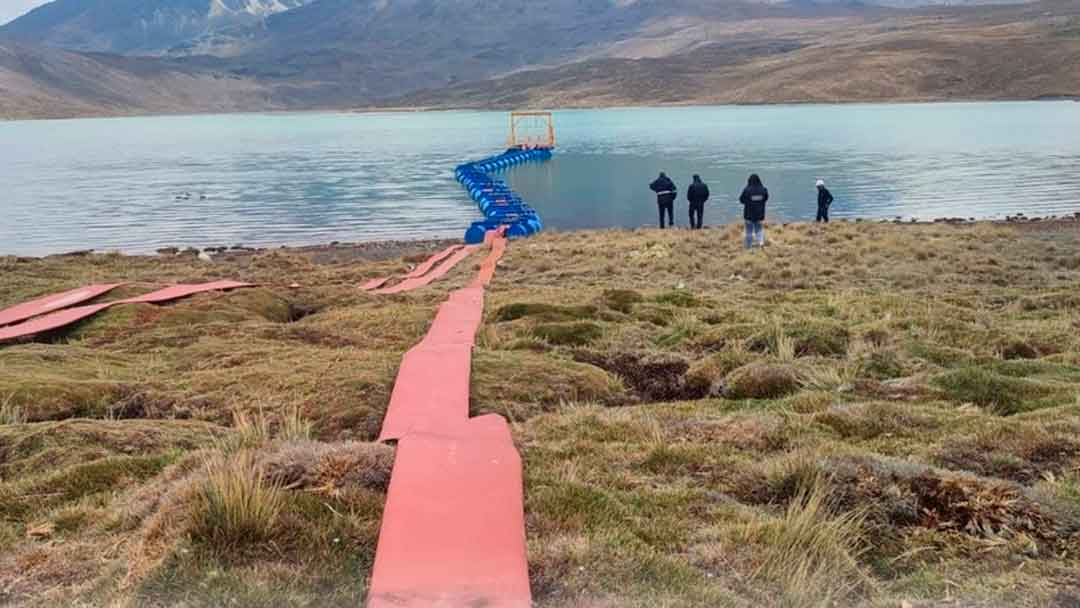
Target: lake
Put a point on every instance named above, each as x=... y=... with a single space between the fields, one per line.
x=137 y=184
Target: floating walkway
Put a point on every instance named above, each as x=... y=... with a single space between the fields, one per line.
x=500 y=205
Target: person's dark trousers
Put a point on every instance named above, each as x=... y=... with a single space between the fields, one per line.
x=823 y=213
x=666 y=203
x=668 y=208
x=697 y=215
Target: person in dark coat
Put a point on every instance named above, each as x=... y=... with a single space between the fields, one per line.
x=665 y=197
x=824 y=199
x=697 y=194
x=753 y=200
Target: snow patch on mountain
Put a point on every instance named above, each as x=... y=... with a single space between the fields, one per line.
x=258 y=9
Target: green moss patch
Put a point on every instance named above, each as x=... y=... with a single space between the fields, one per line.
x=1004 y=395
x=544 y=312
x=568 y=334
x=761 y=381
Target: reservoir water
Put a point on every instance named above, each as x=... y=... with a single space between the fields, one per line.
x=136 y=184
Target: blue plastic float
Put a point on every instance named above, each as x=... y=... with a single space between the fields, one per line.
x=500 y=205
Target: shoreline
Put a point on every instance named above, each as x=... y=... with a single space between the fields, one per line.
x=387 y=249
x=570 y=108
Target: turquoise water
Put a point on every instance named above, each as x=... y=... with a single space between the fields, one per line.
x=137 y=184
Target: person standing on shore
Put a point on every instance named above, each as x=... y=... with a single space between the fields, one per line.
x=665 y=197
x=753 y=200
x=697 y=194
x=824 y=199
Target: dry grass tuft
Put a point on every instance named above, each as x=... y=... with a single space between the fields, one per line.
x=237 y=504
x=810 y=554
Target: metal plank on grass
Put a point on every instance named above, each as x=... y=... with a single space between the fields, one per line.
x=417 y=272
x=440 y=271
x=431 y=391
x=63 y=318
x=54 y=302
x=453 y=531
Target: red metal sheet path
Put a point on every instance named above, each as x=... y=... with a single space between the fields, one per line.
x=47 y=304
x=453 y=530
x=487 y=267
x=417 y=272
x=177 y=292
x=423 y=269
x=375 y=283
x=63 y=318
x=439 y=272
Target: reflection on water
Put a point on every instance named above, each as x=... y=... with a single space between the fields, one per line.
x=141 y=183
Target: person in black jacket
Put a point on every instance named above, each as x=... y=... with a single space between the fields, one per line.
x=665 y=197
x=753 y=200
x=824 y=199
x=697 y=194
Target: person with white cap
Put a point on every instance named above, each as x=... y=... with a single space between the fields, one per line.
x=824 y=199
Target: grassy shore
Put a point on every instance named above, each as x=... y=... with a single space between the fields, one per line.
x=861 y=414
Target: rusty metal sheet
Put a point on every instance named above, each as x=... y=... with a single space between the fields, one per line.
x=453 y=531
x=52 y=321
x=440 y=271
x=62 y=318
x=54 y=302
x=428 y=264
x=487 y=267
x=417 y=272
x=431 y=391
x=375 y=283
x=177 y=292
x=457 y=319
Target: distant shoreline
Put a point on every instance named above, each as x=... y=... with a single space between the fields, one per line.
x=571 y=108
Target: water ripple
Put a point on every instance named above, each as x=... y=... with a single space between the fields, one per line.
x=141 y=183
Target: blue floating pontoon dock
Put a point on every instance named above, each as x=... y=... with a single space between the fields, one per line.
x=500 y=205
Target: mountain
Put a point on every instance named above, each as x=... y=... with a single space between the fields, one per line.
x=916 y=58
x=42 y=82
x=335 y=54
x=148 y=27
x=229 y=27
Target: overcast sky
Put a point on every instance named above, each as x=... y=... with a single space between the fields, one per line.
x=10 y=9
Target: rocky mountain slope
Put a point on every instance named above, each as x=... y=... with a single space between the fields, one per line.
x=142 y=26
x=315 y=54
x=41 y=82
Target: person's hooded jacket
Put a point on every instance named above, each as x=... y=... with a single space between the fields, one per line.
x=664 y=189
x=753 y=199
x=698 y=192
x=824 y=197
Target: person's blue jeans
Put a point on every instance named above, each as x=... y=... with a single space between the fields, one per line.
x=755 y=231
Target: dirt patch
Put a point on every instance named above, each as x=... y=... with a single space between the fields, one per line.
x=652 y=376
x=1021 y=454
x=898 y=495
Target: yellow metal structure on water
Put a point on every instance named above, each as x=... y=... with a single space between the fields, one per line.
x=532 y=130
